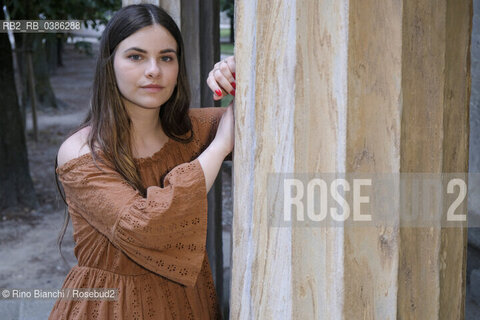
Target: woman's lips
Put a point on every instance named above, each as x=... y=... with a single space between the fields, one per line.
x=152 y=88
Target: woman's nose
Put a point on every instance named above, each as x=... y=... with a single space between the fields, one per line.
x=153 y=69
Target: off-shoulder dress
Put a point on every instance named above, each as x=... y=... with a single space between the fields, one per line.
x=152 y=249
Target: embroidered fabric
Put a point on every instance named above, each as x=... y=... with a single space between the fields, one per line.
x=152 y=249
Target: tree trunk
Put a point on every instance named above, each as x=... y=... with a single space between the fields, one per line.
x=45 y=94
x=16 y=187
x=43 y=88
x=20 y=40
x=232 y=29
x=59 y=53
x=52 y=51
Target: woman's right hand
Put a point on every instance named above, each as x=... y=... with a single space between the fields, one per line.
x=224 y=139
x=221 y=79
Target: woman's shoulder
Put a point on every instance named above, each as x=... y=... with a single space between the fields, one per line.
x=74 y=147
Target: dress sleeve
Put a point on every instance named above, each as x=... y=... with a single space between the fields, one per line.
x=211 y=119
x=164 y=232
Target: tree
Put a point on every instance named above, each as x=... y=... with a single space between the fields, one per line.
x=31 y=10
x=229 y=7
x=42 y=45
x=16 y=186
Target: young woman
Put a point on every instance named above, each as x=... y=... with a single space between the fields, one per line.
x=136 y=176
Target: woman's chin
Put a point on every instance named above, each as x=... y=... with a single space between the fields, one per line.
x=148 y=104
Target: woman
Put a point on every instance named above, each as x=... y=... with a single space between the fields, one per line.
x=136 y=174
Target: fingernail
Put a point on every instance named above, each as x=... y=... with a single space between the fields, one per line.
x=218 y=93
x=232 y=93
x=233 y=85
x=233 y=74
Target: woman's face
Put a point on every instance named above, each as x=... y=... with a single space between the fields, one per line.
x=146 y=67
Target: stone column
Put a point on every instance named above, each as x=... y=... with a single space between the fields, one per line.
x=356 y=87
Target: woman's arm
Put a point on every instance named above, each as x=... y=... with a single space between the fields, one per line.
x=211 y=159
x=164 y=232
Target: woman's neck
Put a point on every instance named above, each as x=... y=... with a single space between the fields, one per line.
x=147 y=133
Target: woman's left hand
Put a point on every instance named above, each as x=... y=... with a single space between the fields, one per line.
x=222 y=78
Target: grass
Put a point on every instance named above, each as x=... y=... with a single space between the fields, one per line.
x=225 y=33
x=226 y=48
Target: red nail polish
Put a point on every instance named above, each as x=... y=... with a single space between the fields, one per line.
x=232 y=93
x=234 y=85
x=218 y=93
x=233 y=74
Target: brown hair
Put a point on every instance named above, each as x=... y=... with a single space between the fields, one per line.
x=108 y=119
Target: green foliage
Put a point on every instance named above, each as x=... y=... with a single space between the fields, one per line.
x=229 y=6
x=226 y=101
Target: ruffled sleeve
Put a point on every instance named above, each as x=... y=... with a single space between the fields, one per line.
x=164 y=232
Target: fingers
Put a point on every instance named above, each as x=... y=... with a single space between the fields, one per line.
x=221 y=79
x=224 y=78
x=231 y=65
x=218 y=93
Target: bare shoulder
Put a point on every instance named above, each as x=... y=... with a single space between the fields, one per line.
x=74 y=147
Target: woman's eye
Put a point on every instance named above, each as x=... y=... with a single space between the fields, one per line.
x=167 y=58
x=134 y=57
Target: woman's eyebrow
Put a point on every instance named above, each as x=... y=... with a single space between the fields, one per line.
x=144 y=51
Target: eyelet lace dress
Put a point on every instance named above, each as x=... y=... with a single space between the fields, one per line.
x=151 y=249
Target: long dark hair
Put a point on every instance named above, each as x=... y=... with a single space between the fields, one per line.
x=108 y=119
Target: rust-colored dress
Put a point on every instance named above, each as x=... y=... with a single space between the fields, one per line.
x=152 y=249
